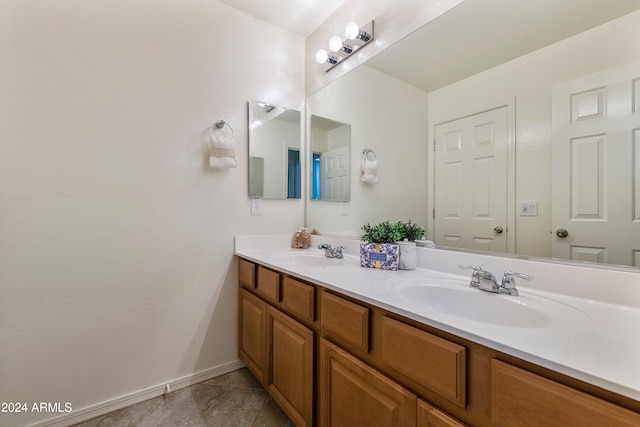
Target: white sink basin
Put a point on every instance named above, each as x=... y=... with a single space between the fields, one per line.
x=456 y=298
x=312 y=259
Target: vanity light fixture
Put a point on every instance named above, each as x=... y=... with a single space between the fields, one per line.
x=322 y=56
x=356 y=38
x=352 y=32
x=337 y=45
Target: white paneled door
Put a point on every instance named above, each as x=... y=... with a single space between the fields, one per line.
x=596 y=167
x=334 y=174
x=471 y=181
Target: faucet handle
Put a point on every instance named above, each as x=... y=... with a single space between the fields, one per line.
x=509 y=277
x=475 y=276
x=508 y=285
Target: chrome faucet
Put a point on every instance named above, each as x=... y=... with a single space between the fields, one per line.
x=485 y=281
x=481 y=279
x=331 y=252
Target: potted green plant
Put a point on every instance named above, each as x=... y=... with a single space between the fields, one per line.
x=386 y=242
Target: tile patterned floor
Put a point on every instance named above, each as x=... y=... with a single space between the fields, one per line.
x=235 y=399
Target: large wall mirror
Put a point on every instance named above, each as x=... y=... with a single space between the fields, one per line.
x=538 y=90
x=274 y=152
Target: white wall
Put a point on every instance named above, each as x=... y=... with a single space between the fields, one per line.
x=116 y=239
x=530 y=80
x=399 y=138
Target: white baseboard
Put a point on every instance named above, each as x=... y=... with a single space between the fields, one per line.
x=102 y=408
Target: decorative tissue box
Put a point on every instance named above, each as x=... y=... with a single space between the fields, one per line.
x=385 y=255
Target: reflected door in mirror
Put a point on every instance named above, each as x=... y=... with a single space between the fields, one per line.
x=471 y=182
x=294 y=174
x=330 y=160
x=596 y=157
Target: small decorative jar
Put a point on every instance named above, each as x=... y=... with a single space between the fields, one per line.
x=301 y=239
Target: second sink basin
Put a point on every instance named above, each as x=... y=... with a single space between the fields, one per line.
x=455 y=298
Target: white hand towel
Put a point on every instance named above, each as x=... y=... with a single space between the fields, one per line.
x=222 y=152
x=369 y=171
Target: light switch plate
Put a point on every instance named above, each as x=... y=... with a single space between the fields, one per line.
x=529 y=208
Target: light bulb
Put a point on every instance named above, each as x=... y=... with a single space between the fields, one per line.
x=321 y=56
x=352 y=31
x=335 y=44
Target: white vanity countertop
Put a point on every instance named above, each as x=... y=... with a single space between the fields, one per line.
x=594 y=341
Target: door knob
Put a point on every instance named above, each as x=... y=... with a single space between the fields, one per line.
x=562 y=233
x=498 y=230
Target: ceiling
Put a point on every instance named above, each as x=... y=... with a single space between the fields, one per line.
x=300 y=17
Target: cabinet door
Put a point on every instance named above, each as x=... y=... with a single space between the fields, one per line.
x=291 y=383
x=521 y=398
x=354 y=394
x=252 y=334
x=429 y=416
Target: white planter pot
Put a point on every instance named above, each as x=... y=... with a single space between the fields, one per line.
x=408 y=255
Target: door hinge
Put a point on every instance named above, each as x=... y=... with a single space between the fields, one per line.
x=434 y=213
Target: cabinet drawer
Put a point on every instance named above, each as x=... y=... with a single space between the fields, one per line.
x=268 y=283
x=298 y=297
x=345 y=321
x=519 y=397
x=246 y=273
x=431 y=361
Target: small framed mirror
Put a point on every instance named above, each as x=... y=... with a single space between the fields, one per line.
x=330 y=160
x=275 y=136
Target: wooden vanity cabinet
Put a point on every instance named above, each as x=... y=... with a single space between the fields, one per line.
x=275 y=347
x=430 y=416
x=246 y=273
x=252 y=335
x=291 y=366
x=299 y=298
x=268 y=284
x=364 y=349
x=345 y=322
x=354 y=394
x=522 y=398
x=332 y=360
x=425 y=361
